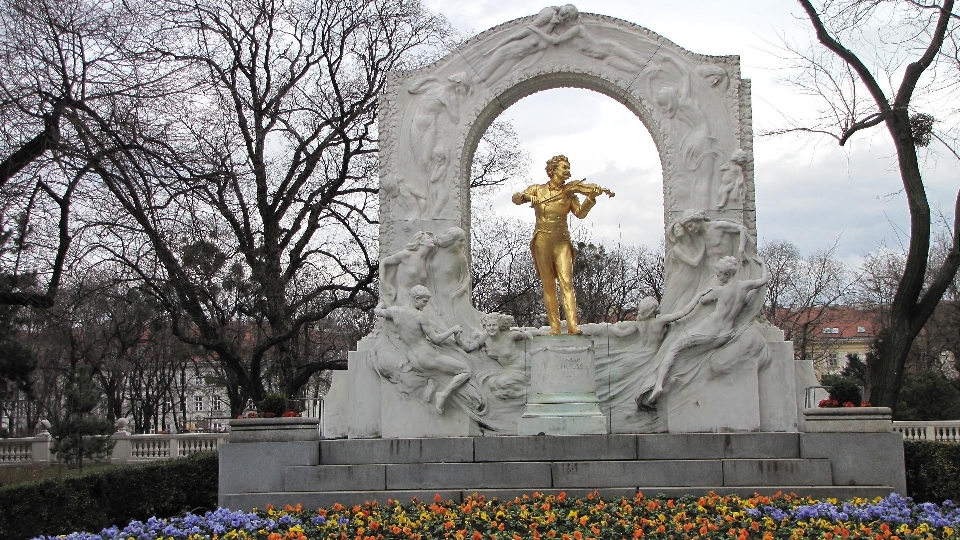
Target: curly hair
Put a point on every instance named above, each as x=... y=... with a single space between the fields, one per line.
x=554 y=161
x=419 y=291
x=728 y=264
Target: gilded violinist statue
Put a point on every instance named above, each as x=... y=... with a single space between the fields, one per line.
x=551 y=246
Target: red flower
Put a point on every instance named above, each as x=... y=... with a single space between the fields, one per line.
x=290 y=414
x=848 y=404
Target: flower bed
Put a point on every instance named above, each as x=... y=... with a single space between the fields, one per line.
x=558 y=517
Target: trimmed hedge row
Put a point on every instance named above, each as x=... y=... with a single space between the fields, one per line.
x=109 y=497
x=933 y=470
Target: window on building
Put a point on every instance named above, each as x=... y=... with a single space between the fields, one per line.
x=198 y=380
x=861 y=329
x=198 y=403
x=217 y=404
x=833 y=360
x=831 y=330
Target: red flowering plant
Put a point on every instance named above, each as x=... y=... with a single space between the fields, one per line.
x=844 y=393
x=272 y=406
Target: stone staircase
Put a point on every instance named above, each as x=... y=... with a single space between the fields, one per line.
x=351 y=471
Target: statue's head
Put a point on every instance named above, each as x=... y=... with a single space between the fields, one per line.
x=668 y=98
x=689 y=221
x=459 y=82
x=451 y=236
x=420 y=296
x=554 y=162
x=647 y=308
x=490 y=323
x=421 y=238
x=715 y=76
x=739 y=156
x=727 y=268
x=548 y=15
x=569 y=12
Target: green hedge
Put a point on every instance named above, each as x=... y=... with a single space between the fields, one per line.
x=933 y=470
x=109 y=497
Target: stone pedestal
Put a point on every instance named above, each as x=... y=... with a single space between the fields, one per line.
x=848 y=420
x=562 y=399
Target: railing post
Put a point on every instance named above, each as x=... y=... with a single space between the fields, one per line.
x=40 y=448
x=121 y=442
x=121 y=448
x=174 y=446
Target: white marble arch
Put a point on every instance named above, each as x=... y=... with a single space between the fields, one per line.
x=696 y=107
x=697 y=110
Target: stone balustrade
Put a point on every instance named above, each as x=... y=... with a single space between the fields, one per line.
x=944 y=430
x=127 y=448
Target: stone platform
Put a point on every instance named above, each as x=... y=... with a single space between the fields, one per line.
x=321 y=472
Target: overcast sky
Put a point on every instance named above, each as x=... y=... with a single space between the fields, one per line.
x=811 y=192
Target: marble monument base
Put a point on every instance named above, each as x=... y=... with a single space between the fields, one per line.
x=562 y=399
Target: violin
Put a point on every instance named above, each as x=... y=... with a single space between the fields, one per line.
x=581 y=187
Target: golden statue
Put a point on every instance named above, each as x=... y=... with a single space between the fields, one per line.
x=551 y=246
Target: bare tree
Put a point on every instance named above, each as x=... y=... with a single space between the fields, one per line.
x=251 y=206
x=68 y=66
x=504 y=278
x=803 y=292
x=867 y=84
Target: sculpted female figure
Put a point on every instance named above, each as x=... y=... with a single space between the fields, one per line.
x=500 y=343
x=731 y=297
x=699 y=149
x=440 y=100
x=694 y=245
x=404 y=269
x=650 y=326
x=526 y=42
x=588 y=45
x=451 y=279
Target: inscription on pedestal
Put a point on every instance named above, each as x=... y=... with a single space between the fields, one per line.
x=562 y=399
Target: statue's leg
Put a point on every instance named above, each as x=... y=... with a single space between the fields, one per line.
x=564 y=258
x=544 y=261
x=455 y=383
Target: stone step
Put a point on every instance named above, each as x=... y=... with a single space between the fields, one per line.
x=560 y=474
x=317 y=499
x=561 y=448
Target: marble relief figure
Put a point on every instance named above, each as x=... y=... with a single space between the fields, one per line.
x=525 y=44
x=699 y=148
x=694 y=245
x=421 y=351
x=411 y=200
x=731 y=179
x=730 y=297
x=451 y=280
x=588 y=45
x=508 y=379
x=404 y=269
